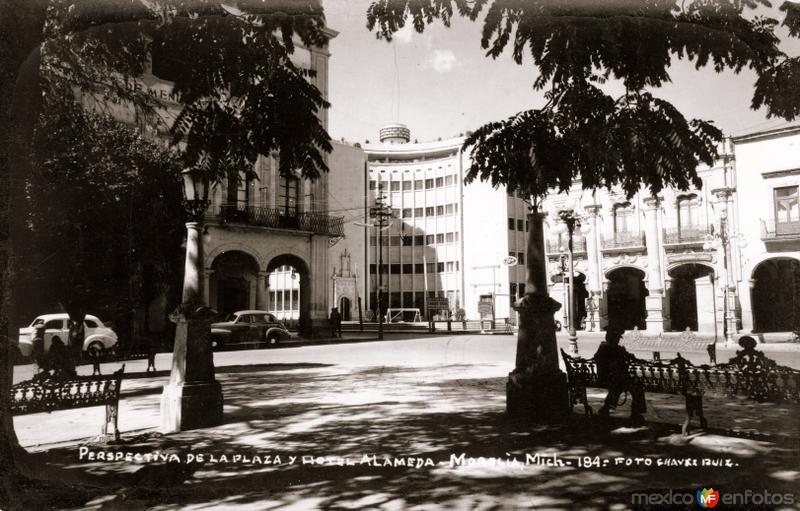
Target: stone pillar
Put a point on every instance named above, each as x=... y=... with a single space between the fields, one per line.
x=536 y=388
x=319 y=296
x=594 y=280
x=654 y=302
x=192 y=398
x=261 y=290
x=207 y=273
x=603 y=305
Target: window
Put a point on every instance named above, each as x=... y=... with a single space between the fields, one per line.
x=373 y=268
x=418 y=212
x=449 y=237
x=394 y=300
x=520 y=225
x=439 y=210
x=429 y=211
x=521 y=288
x=406 y=185
x=623 y=218
x=287 y=195
x=418 y=268
x=405 y=240
x=408 y=299
x=419 y=240
x=688 y=213
x=419 y=300
x=512 y=290
x=429 y=239
x=371 y=184
x=430 y=267
x=428 y=184
x=521 y=258
x=394 y=241
x=418 y=184
x=440 y=238
x=407 y=268
x=448 y=210
x=440 y=267
x=88 y=323
x=787 y=206
x=527 y=226
x=394 y=268
x=450 y=265
x=396 y=212
x=511 y=224
x=394 y=186
x=439 y=182
x=455 y=207
x=295 y=300
x=407 y=212
x=456 y=265
x=448 y=180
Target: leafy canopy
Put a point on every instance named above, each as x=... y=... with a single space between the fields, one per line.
x=635 y=140
x=239 y=93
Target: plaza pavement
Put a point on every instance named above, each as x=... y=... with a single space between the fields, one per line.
x=427 y=399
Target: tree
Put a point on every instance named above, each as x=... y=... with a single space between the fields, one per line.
x=582 y=133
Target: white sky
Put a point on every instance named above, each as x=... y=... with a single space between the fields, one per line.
x=440 y=83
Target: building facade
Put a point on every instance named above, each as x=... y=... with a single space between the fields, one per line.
x=446 y=240
x=720 y=259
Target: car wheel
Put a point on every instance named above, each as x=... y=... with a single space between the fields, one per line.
x=216 y=343
x=95 y=350
x=272 y=340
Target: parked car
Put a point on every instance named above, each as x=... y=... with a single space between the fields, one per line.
x=248 y=327
x=97 y=339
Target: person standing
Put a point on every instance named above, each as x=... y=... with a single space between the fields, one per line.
x=336 y=322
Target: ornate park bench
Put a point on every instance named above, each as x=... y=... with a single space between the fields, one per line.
x=49 y=393
x=685 y=341
x=750 y=374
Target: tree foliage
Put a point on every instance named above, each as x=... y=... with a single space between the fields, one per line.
x=632 y=141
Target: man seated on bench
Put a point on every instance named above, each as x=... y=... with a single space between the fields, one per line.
x=612 y=372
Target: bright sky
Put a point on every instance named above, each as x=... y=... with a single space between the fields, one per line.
x=440 y=83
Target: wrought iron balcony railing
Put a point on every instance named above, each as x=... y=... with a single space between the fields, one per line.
x=277 y=218
x=679 y=235
x=780 y=230
x=554 y=247
x=630 y=239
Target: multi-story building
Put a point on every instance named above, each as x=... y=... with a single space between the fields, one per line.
x=446 y=239
x=719 y=259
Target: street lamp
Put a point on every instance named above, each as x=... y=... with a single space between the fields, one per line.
x=562 y=262
x=720 y=242
x=570 y=220
x=192 y=398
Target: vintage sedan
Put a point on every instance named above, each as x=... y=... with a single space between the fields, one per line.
x=97 y=337
x=248 y=327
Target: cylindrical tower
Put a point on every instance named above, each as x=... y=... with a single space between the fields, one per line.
x=395 y=134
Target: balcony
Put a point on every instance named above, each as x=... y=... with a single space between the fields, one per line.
x=779 y=232
x=623 y=241
x=683 y=236
x=316 y=223
x=554 y=247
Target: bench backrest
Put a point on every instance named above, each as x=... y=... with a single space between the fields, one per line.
x=51 y=394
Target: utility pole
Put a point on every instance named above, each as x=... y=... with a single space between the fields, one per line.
x=381 y=211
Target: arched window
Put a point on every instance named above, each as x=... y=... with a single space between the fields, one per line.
x=688 y=207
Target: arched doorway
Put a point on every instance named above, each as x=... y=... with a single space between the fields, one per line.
x=289 y=285
x=626 y=298
x=691 y=297
x=344 y=308
x=233 y=282
x=775 y=295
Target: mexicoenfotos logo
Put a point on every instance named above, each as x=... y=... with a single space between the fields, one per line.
x=707 y=497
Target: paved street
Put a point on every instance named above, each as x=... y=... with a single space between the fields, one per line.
x=425 y=399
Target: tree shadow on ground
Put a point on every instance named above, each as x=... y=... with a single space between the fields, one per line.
x=338 y=415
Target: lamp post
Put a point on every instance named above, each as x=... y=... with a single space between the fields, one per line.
x=382 y=212
x=192 y=398
x=562 y=261
x=570 y=220
x=721 y=241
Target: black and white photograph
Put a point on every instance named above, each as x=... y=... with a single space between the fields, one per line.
x=399 y=254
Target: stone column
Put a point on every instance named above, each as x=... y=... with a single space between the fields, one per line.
x=192 y=398
x=261 y=290
x=207 y=273
x=318 y=304
x=537 y=388
x=594 y=280
x=654 y=302
x=724 y=252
